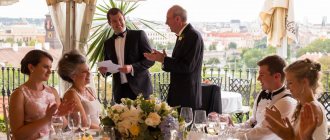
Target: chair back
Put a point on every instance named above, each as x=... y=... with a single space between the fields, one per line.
x=163 y=91
x=324 y=99
x=242 y=86
x=215 y=80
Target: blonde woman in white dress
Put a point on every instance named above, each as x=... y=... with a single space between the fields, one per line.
x=309 y=120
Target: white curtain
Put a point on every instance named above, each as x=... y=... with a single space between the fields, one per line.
x=72 y=35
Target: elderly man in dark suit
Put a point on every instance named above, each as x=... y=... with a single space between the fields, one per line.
x=126 y=48
x=186 y=61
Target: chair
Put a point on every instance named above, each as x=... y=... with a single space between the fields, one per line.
x=242 y=86
x=324 y=99
x=163 y=91
x=215 y=80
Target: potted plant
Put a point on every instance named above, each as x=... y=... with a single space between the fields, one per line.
x=103 y=31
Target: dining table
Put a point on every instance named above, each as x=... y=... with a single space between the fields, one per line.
x=216 y=100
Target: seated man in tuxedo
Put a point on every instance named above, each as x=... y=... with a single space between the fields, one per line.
x=126 y=48
x=274 y=93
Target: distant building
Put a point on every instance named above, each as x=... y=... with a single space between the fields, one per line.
x=50 y=36
x=22 y=32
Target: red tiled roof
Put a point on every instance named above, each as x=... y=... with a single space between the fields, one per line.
x=13 y=58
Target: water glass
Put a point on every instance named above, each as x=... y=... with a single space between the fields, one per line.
x=57 y=124
x=213 y=123
x=85 y=126
x=74 y=122
x=187 y=114
x=200 y=120
x=224 y=121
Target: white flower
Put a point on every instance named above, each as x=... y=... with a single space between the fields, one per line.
x=115 y=117
x=157 y=107
x=119 y=107
x=153 y=119
x=132 y=115
x=123 y=126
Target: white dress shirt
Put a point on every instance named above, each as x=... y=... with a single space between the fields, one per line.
x=286 y=106
x=120 y=51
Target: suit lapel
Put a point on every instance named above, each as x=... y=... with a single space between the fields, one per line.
x=113 y=51
x=127 y=44
x=178 y=44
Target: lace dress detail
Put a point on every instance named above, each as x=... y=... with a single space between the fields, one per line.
x=91 y=108
x=35 y=106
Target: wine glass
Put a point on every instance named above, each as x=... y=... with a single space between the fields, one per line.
x=200 y=120
x=74 y=121
x=224 y=121
x=57 y=124
x=85 y=126
x=186 y=113
x=213 y=124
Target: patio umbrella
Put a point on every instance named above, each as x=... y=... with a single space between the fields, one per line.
x=277 y=17
x=7 y=2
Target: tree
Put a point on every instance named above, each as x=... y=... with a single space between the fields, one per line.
x=252 y=55
x=261 y=43
x=212 y=47
x=232 y=45
x=319 y=45
x=213 y=61
x=103 y=31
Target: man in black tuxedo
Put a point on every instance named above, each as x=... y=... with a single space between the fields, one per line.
x=126 y=48
x=186 y=61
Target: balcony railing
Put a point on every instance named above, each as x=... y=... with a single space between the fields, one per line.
x=11 y=78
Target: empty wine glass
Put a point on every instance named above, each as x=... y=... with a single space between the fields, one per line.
x=85 y=126
x=213 y=124
x=57 y=124
x=187 y=114
x=200 y=120
x=74 y=121
x=224 y=121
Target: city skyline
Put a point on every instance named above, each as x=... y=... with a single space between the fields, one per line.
x=217 y=10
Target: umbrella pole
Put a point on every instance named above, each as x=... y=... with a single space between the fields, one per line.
x=283 y=49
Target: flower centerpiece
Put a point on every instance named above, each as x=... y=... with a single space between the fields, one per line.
x=143 y=119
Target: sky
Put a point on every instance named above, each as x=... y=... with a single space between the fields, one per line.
x=198 y=10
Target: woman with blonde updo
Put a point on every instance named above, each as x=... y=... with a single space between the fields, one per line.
x=309 y=119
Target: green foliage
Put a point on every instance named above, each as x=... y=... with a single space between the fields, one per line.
x=319 y=45
x=158 y=46
x=261 y=43
x=213 y=61
x=232 y=45
x=2 y=124
x=212 y=47
x=252 y=55
x=157 y=67
x=103 y=31
x=9 y=40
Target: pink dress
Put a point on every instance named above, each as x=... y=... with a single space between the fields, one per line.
x=35 y=105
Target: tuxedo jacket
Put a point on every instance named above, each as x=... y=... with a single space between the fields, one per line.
x=185 y=70
x=136 y=44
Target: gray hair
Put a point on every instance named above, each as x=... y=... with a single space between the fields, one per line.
x=68 y=64
x=179 y=11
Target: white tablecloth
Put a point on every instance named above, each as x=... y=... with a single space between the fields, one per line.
x=231 y=101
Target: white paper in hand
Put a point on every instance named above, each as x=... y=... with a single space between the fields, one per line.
x=111 y=67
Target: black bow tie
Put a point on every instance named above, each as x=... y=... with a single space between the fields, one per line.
x=268 y=96
x=115 y=36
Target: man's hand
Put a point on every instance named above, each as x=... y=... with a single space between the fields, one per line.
x=126 y=69
x=103 y=70
x=155 y=56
